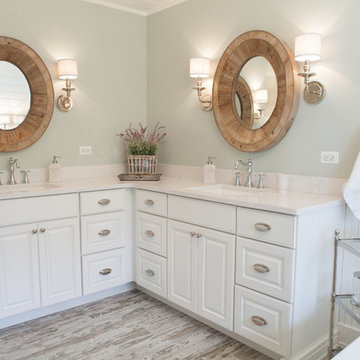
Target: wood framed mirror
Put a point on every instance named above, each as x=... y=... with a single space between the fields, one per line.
x=229 y=90
x=28 y=119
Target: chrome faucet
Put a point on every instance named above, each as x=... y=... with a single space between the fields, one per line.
x=12 y=163
x=248 y=165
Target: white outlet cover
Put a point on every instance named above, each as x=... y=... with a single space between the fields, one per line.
x=329 y=157
x=85 y=150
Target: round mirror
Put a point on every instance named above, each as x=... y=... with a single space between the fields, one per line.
x=261 y=79
x=15 y=96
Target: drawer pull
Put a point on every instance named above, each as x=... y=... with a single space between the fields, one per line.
x=260 y=268
x=150 y=272
x=198 y=235
x=149 y=233
x=106 y=271
x=34 y=231
x=193 y=233
x=149 y=202
x=258 y=320
x=104 y=232
x=42 y=229
x=104 y=202
x=262 y=227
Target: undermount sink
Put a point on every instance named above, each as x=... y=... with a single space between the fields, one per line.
x=10 y=189
x=225 y=190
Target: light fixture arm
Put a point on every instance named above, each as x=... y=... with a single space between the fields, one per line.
x=68 y=89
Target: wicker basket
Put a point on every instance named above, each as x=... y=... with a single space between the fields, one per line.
x=142 y=164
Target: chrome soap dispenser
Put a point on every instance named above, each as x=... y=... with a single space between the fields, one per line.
x=55 y=170
x=209 y=171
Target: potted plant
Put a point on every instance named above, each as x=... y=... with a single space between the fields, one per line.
x=142 y=145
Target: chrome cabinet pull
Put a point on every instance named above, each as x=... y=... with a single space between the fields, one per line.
x=357 y=275
x=262 y=227
x=104 y=232
x=149 y=233
x=258 y=320
x=42 y=229
x=260 y=268
x=105 y=271
x=149 y=202
x=104 y=201
x=150 y=272
x=34 y=231
x=192 y=233
x=198 y=235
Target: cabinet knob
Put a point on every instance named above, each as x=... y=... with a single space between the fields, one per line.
x=150 y=272
x=258 y=320
x=104 y=201
x=149 y=202
x=260 y=268
x=106 y=271
x=192 y=233
x=34 y=231
x=357 y=275
x=149 y=233
x=42 y=229
x=198 y=235
x=104 y=232
x=262 y=227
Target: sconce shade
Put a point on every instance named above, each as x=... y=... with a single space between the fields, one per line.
x=308 y=47
x=67 y=69
x=261 y=96
x=199 y=67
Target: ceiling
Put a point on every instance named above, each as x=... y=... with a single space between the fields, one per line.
x=141 y=7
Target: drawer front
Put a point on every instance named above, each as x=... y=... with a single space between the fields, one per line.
x=204 y=213
x=151 y=272
x=102 y=201
x=102 y=232
x=39 y=208
x=151 y=202
x=151 y=233
x=266 y=268
x=103 y=271
x=266 y=226
x=263 y=320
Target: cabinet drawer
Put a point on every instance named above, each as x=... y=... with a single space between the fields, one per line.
x=102 y=232
x=35 y=209
x=266 y=226
x=205 y=213
x=266 y=268
x=104 y=270
x=151 y=272
x=263 y=320
x=151 y=202
x=151 y=233
x=102 y=201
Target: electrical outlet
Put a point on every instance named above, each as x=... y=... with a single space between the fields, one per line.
x=85 y=150
x=329 y=157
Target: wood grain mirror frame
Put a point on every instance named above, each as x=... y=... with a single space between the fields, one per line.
x=42 y=95
x=237 y=54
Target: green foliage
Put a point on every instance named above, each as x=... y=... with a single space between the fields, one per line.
x=142 y=148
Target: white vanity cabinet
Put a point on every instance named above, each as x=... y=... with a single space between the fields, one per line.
x=39 y=261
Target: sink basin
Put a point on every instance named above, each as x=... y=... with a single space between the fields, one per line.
x=10 y=189
x=225 y=190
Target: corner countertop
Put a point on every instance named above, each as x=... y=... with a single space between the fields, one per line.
x=292 y=203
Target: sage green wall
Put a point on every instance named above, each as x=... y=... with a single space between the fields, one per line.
x=205 y=28
x=110 y=46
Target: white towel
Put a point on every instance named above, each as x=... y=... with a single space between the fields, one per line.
x=351 y=191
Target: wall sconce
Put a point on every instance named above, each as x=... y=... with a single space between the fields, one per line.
x=260 y=100
x=307 y=48
x=199 y=68
x=67 y=70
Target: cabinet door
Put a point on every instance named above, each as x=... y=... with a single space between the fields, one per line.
x=216 y=261
x=19 y=269
x=182 y=264
x=60 y=267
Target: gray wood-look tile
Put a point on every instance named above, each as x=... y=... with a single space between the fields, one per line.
x=127 y=326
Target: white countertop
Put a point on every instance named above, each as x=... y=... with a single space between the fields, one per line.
x=294 y=203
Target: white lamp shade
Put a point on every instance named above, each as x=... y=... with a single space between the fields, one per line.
x=199 y=67
x=308 y=47
x=261 y=96
x=67 y=69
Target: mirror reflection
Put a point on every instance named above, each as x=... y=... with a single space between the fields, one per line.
x=15 y=96
x=260 y=77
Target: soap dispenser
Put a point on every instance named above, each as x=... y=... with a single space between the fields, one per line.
x=55 y=170
x=209 y=171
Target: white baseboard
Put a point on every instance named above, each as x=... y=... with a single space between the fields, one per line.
x=47 y=310
x=347 y=334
